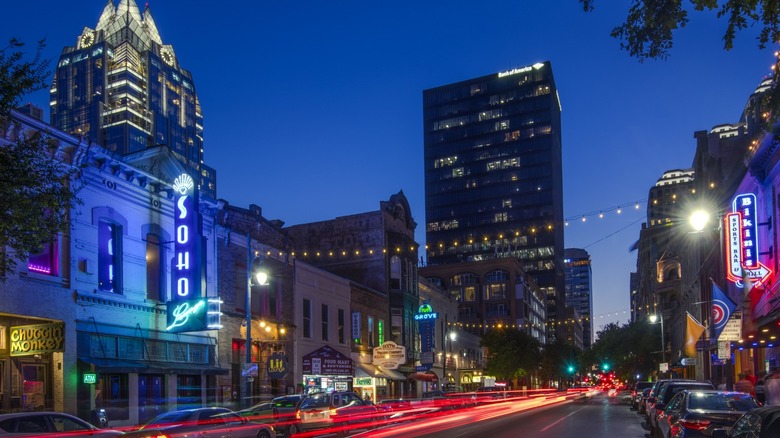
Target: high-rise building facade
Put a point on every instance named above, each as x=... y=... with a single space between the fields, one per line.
x=121 y=87
x=579 y=290
x=493 y=174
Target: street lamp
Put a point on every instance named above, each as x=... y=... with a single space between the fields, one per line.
x=656 y=319
x=261 y=279
x=451 y=336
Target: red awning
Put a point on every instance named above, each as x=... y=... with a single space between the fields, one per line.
x=424 y=377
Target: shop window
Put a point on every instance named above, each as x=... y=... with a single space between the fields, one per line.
x=34 y=388
x=188 y=392
x=45 y=261
x=109 y=260
x=112 y=394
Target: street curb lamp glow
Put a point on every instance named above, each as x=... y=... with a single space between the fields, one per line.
x=654 y=319
x=699 y=220
x=261 y=279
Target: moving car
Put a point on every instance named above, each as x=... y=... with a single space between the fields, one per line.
x=41 y=423
x=279 y=412
x=340 y=411
x=697 y=413
x=203 y=423
x=757 y=423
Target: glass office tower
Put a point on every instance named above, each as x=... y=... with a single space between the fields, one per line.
x=122 y=88
x=579 y=289
x=493 y=183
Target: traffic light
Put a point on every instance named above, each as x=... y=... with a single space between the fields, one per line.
x=605 y=366
x=570 y=369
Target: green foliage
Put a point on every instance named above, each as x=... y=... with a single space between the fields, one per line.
x=628 y=349
x=556 y=358
x=19 y=77
x=648 y=30
x=36 y=189
x=511 y=353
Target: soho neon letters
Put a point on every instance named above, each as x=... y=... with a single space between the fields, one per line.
x=187 y=310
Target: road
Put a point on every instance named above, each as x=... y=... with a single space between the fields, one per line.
x=598 y=415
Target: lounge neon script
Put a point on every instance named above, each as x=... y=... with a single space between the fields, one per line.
x=183 y=312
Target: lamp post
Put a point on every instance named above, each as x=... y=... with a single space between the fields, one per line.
x=451 y=336
x=653 y=320
x=699 y=220
x=262 y=278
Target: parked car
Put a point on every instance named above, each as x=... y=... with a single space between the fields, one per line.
x=339 y=411
x=279 y=412
x=665 y=394
x=204 y=423
x=43 y=423
x=636 y=393
x=641 y=404
x=757 y=423
x=697 y=413
x=650 y=399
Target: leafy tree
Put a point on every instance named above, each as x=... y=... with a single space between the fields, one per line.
x=35 y=183
x=556 y=359
x=647 y=31
x=629 y=349
x=512 y=354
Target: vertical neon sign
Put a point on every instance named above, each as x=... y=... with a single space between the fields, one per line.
x=185 y=263
x=187 y=310
x=741 y=242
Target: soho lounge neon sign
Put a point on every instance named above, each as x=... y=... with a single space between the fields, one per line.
x=186 y=309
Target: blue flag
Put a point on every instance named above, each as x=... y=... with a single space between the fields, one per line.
x=722 y=308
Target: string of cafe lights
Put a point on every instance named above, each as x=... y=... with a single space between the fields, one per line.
x=602 y=213
x=569 y=321
x=413 y=249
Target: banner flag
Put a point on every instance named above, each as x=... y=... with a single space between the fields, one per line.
x=722 y=309
x=693 y=332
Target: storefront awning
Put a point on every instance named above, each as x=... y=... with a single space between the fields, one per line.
x=367 y=370
x=393 y=374
x=370 y=370
x=424 y=377
x=151 y=367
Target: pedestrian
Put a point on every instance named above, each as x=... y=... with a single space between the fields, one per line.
x=760 y=394
x=744 y=385
x=772 y=388
x=750 y=376
x=722 y=385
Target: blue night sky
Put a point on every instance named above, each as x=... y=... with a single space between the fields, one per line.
x=313 y=110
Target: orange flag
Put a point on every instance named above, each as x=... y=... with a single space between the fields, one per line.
x=693 y=331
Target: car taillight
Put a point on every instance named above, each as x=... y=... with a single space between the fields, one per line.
x=333 y=412
x=694 y=424
x=297 y=414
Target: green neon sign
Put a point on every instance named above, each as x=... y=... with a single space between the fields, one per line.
x=90 y=378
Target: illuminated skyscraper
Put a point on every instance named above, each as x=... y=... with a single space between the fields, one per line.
x=579 y=290
x=123 y=88
x=493 y=182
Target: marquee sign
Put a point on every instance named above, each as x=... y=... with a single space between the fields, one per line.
x=424 y=312
x=28 y=340
x=389 y=355
x=741 y=240
x=426 y=320
x=188 y=310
